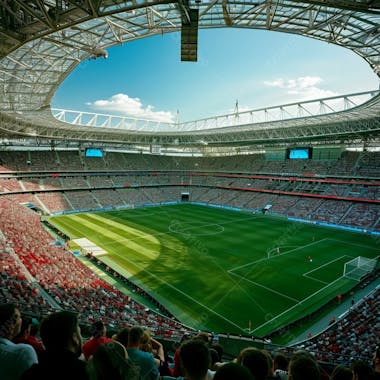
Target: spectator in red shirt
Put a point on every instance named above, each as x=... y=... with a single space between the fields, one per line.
x=99 y=338
x=25 y=335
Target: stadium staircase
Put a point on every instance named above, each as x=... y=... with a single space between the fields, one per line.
x=346 y=213
x=41 y=204
x=68 y=201
x=96 y=199
x=377 y=223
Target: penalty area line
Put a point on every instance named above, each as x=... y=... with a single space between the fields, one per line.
x=298 y=304
x=281 y=254
x=265 y=287
x=183 y=293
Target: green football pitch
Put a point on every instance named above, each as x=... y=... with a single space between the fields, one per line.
x=222 y=270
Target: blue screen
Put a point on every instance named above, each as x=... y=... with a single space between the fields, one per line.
x=300 y=154
x=92 y=152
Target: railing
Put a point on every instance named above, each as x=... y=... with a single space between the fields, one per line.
x=288 y=111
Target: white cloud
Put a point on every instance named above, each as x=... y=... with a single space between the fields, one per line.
x=302 y=88
x=123 y=104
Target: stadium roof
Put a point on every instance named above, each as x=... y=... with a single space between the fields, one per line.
x=42 y=41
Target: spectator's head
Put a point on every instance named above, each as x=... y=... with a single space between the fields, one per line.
x=214 y=357
x=204 y=336
x=195 y=359
x=218 y=347
x=280 y=361
x=122 y=336
x=10 y=321
x=270 y=363
x=109 y=361
x=341 y=372
x=256 y=361
x=303 y=366
x=376 y=359
x=145 y=342
x=134 y=336
x=233 y=371
x=361 y=371
x=25 y=328
x=34 y=328
x=61 y=331
x=98 y=329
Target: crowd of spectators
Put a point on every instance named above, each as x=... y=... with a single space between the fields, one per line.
x=68 y=282
x=351 y=337
x=64 y=354
x=155 y=179
x=42 y=277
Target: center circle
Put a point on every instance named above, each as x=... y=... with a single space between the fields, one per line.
x=196 y=228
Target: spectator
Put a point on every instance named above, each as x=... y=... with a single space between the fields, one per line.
x=280 y=364
x=376 y=362
x=256 y=361
x=15 y=359
x=144 y=361
x=110 y=361
x=233 y=371
x=122 y=337
x=25 y=335
x=195 y=359
x=361 y=371
x=341 y=372
x=98 y=338
x=177 y=370
x=62 y=339
x=302 y=366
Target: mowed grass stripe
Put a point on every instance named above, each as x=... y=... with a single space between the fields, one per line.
x=132 y=232
x=198 y=265
x=156 y=241
x=104 y=235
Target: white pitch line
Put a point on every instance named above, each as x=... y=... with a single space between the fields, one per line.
x=166 y=232
x=265 y=287
x=185 y=294
x=356 y=245
x=281 y=254
x=315 y=279
x=179 y=291
x=328 y=263
x=294 y=306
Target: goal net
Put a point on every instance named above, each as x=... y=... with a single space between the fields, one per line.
x=357 y=268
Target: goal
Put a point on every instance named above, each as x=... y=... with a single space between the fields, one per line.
x=272 y=252
x=357 y=268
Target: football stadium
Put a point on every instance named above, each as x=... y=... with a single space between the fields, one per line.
x=257 y=232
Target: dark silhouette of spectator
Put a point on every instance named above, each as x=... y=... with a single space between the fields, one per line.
x=195 y=359
x=341 y=372
x=177 y=369
x=219 y=349
x=144 y=361
x=376 y=363
x=122 y=337
x=256 y=361
x=280 y=365
x=233 y=371
x=25 y=335
x=214 y=359
x=62 y=339
x=15 y=359
x=99 y=331
x=110 y=361
x=302 y=366
x=361 y=371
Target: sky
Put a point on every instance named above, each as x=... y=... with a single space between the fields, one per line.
x=146 y=79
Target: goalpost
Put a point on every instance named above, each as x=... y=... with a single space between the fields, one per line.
x=272 y=252
x=357 y=268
